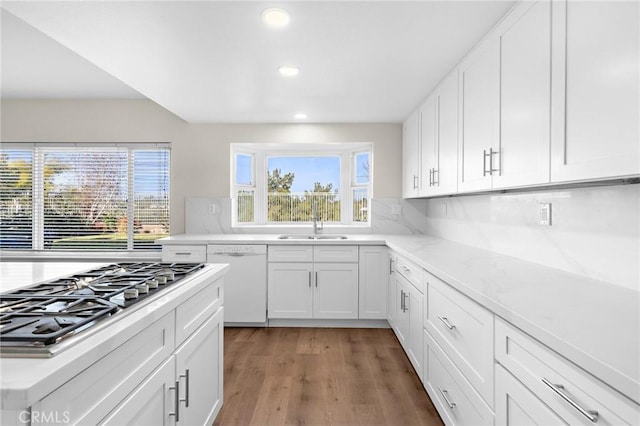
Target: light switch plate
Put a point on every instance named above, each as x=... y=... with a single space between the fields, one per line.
x=545 y=214
x=213 y=209
x=396 y=209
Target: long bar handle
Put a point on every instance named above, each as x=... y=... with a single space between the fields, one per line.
x=309 y=279
x=183 y=253
x=177 y=401
x=415 y=181
x=186 y=392
x=402 y=300
x=406 y=307
x=589 y=414
x=445 y=394
x=484 y=162
x=436 y=182
x=316 y=279
x=491 y=154
x=390 y=265
x=446 y=322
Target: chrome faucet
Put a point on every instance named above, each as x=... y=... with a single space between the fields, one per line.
x=315 y=218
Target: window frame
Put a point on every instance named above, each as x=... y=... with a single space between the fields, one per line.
x=261 y=152
x=39 y=149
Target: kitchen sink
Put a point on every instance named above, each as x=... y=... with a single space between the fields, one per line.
x=312 y=237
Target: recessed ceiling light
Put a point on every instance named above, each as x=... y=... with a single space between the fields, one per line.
x=300 y=116
x=288 y=71
x=275 y=17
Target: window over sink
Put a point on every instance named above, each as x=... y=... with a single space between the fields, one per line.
x=289 y=184
x=105 y=197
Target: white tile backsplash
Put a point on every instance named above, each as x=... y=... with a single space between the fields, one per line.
x=594 y=232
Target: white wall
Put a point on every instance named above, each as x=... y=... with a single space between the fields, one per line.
x=200 y=152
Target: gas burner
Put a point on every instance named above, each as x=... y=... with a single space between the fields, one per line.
x=42 y=314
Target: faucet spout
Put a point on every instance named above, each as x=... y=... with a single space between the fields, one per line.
x=315 y=218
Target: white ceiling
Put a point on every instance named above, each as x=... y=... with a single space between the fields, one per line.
x=215 y=61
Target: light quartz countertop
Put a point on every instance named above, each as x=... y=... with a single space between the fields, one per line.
x=592 y=323
x=24 y=381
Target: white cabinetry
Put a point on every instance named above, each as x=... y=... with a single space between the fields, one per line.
x=596 y=74
x=439 y=139
x=315 y=287
x=564 y=389
x=184 y=253
x=411 y=156
x=408 y=312
x=373 y=278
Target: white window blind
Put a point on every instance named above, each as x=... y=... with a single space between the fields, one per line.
x=107 y=198
x=16 y=200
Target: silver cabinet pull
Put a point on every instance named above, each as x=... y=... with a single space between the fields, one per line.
x=430 y=177
x=589 y=414
x=390 y=265
x=484 y=162
x=186 y=391
x=491 y=154
x=446 y=322
x=415 y=181
x=177 y=401
x=445 y=394
x=436 y=182
x=309 y=279
x=183 y=253
x=402 y=300
x=406 y=307
x=316 y=279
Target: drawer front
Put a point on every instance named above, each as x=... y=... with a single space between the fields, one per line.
x=464 y=330
x=412 y=272
x=92 y=394
x=184 y=253
x=456 y=400
x=541 y=370
x=335 y=253
x=290 y=253
x=193 y=312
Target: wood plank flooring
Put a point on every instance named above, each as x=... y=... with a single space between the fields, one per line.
x=320 y=376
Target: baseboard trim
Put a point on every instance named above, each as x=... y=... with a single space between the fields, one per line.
x=328 y=323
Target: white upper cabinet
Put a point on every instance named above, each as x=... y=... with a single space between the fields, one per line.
x=525 y=96
x=596 y=70
x=411 y=156
x=439 y=139
x=479 y=116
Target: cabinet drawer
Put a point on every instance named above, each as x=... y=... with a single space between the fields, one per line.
x=290 y=253
x=456 y=400
x=542 y=370
x=464 y=330
x=92 y=394
x=335 y=253
x=184 y=253
x=412 y=272
x=192 y=313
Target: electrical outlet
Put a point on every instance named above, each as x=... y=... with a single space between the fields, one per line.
x=545 y=214
x=213 y=209
x=396 y=209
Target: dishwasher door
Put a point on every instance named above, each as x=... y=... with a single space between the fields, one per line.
x=245 y=285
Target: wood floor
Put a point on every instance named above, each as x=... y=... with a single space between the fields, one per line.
x=320 y=376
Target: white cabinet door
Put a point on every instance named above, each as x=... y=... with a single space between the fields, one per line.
x=596 y=64
x=411 y=156
x=415 y=307
x=516 y=405
x=290 y=294
x=336 y=291
x=479 y=91
x=373 y=277
x=525 y=96
x=445 y=177
x=152 y=403
x=428 y=145
x=402 y=312
x=199 y=371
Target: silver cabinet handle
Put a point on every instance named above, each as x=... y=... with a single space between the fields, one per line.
x=415 y=181
x=430 y=176
x=177 y=401
x=402 y=300
x=406 y=306
x=309 y=279
x=183 y=253
x=186 y=391
x=436 y=182
x=316 y=279
x=589 y=414
x=390 y=265
x=491 y=154
x=445 y=394
x=446 y=322
x=484 y=162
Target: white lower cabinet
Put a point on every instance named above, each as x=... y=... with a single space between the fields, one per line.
x=455 y=399
x=569 y=392
x=320 y=290
x=373 y=273
x=516 y=405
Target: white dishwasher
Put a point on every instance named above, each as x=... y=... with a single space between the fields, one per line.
x=245 y=285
